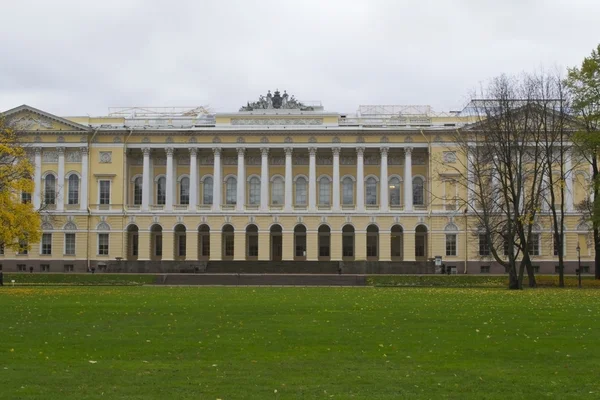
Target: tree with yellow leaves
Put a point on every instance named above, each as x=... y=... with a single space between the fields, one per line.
x=19 y=221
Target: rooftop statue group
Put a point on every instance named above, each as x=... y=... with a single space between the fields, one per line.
x=275 y=101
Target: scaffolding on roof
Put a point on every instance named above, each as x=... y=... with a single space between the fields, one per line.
x=158 y=112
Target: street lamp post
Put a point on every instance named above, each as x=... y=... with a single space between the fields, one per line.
x=579 y=267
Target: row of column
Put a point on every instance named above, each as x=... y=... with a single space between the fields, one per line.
x=60 y=192
x=264 y=174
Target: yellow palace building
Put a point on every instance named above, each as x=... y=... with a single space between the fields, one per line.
x=279 y=183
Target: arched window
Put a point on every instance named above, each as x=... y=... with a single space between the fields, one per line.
x=254 y=191
x=73 y=189
x=324 y=243
x=396 y=243
x=347 y=191
x=231 y=190
x=137 y=191
x=277 y=190
x=252 y=242
x=184 y=191
x=180 y=242
x=161 y=190
x=207 y=195
x=203 y=242
x=394 y=191
x=301 y=191
x=300 y=242
x=418 y=188
x=50 y=190
x=324 y=191
x=372 y=242
x=348 y=242
x=371 y=189
x=227 y=242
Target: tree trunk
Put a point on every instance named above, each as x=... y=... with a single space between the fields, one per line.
x=530 y=273
x=597 y=253
x=513 y=279
x=521 y=273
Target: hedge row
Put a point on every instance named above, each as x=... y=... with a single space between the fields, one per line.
x=471 y=281
x=78 y=279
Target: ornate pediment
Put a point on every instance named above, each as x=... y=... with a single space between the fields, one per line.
x=26 y=118
x=276 y=101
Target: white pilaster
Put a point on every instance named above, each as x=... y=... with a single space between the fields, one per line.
x=383 y=181
x=83 y=187
x=193 y=178
x=288 y=179
x=60 y=181
x=336 y=179
x=408 y=190
x=170 y=181
x=146 y=188
x=217 y=180
x=37 y=179
x=470 y=177
x=360 y=179
x=264 y=180
x=241 y=180
x=569 y=183
x=312 y=179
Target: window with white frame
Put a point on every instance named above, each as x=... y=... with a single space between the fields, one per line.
x=324 y=191
x=47 y=244
x=161 y=191
x=231 y=190
x=418 y=191
x=534 y=244
x=50 y=189
x=184 y=191
x=371 y=191
x=25 y=197
x=484 y=247
x=394 y=189
x=69 y=244
x=347 y=191
x=450 y=244
x=207 y=195
x=104 y=192
x=301 y=191
x=23 y=247
x=277 y=190
x=103 y=244
x=254 y=191
x=181 y=245
x=137 y=191
x=73 y=197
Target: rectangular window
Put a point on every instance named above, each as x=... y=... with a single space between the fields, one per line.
x=484 y=269
x=371 y=245
x=451 y=244
x=45 y=267
x=181 y=242
x=484 y=248
x=69 y=244
x=229 y=245
x=252 y=246
x=73 y=190
x=104 y=192
x=534 y=245
x=586 y=269
x=324 y=245
x=158 y=245
x=205 y=246
x=1 y=249
x=25 y=198
x=103 y=244
x=69 y=268
x=21 y=268
x=301 y=192
x=420 y=246
x=134 y=245
x=23 y=247
x=348 y=245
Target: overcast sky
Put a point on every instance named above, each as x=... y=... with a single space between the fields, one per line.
x=80 y=57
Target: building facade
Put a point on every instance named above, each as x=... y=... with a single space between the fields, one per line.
x=278 y=181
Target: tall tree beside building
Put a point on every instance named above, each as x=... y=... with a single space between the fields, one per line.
x=584 y=83
x=19 y=221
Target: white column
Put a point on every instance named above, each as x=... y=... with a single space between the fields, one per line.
x=217 y=180
x=83 y=187
x=264 y=180
x=60 y=181
x=408 y=193
x=146 y=188
x=312 y=179
x=193 y=179
x=241 y=180
x=170 y=181
x=37 y=179
x=383 y=181
x=289 y=180
x=360 y=179
x=569 y=183
x=336 y=179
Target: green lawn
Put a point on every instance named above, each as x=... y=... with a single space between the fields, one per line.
x=305 y=343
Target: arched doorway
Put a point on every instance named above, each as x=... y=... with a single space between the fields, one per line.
x=348 y=243
x=421 y=243
x=156 y=243
x=251 y=242
x=324 y=243
x=180 y=243
x=132 y=242
x=300 y=243
x=276 y=242
x=397 y=243
x=227 y=242
x=203 y=243
x=372 y=243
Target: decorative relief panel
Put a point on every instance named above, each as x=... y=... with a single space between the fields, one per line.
x=229 y=160
x=449 y=157
x=264 y=139
x=117 y=139
x=312 y=139
x=276 y=121
x=288 y=140
x=182 y=160
x=29 y=122
x=300 y=160
x=49 y=156
x=336 y=140
x=146 y=139
x=193 y=140
x=276 y=160
x=418 y=159
x=360 y=139
x=240 y=140
x=206 y=160
x=73 y=155
x=136 y=161
x=169 y=139
x=347 y=160
x=83 y=139
x=371 y=159
x=38 y=139
x=385 y=139
x=159 y=160
x=324 y=159
x=216 y=139
x=395 y=160
x=60 y=139
x=106 y=157
x=408 y=139
x=252 y=160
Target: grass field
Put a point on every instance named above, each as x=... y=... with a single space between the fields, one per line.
x=298 y=343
